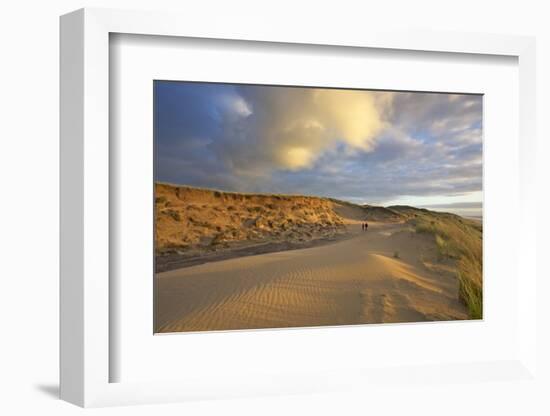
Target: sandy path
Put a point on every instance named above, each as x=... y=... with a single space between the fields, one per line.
x=350 y=282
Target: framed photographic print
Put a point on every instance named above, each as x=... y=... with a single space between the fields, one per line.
x=285 y=206
x=270 y=213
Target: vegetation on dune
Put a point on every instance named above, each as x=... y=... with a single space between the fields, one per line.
x=197 y=220
x=459 y=239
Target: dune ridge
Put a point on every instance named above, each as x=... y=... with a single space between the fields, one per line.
x=194 y=225
x=198 y=218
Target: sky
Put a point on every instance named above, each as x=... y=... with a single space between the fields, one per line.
x=363 y=146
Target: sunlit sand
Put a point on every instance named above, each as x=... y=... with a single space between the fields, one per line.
x=386 y=274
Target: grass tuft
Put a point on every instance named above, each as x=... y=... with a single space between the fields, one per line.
x=459 y=239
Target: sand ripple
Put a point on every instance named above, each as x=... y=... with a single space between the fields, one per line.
x=355 y=281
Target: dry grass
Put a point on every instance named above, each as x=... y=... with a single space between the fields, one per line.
x=459 y=239
x=196 y=219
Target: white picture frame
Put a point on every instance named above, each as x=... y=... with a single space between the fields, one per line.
x=85 y=212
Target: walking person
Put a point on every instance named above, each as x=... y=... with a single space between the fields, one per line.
x=363 y=226
x=366 y=225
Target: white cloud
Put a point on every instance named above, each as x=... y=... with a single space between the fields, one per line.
x=291 y=128
x=234 y=106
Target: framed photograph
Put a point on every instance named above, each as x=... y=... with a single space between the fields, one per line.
x=261 y=213
x=286 y=206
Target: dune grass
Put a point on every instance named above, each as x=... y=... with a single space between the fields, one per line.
x=459 y=239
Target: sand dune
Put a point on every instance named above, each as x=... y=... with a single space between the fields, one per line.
x=386 y=274
x=198 y=220
x=241 y=261
x=195 y=226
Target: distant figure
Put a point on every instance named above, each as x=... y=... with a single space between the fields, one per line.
x=363 y=226
x=366 y=226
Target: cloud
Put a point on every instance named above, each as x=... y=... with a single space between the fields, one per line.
x=455 y=205
x=233 y=107
x=441 y=116
x=292 y=128
x=365 y=146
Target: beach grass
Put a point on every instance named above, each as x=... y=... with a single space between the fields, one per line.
x=459 y=239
